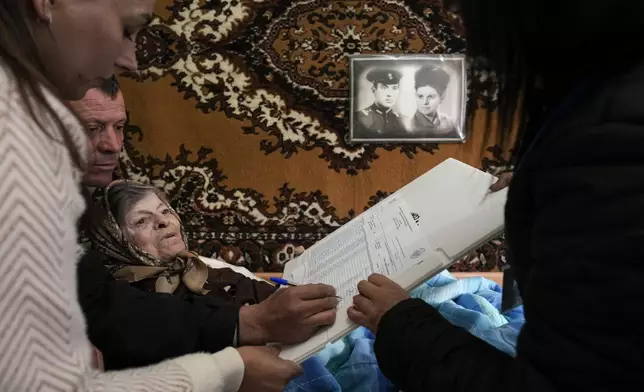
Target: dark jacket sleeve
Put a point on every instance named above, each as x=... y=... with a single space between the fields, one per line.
x=418 y=350
x=136 y=328
x=582 y=289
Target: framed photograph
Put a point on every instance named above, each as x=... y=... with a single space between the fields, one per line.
x=408 y=99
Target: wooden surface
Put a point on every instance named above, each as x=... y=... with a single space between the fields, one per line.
x=495 y=276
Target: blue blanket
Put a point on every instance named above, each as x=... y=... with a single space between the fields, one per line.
x=474 y=304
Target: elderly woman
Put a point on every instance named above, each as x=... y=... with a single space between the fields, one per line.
x=146 y=245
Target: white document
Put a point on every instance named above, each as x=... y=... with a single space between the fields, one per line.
x=410 y=236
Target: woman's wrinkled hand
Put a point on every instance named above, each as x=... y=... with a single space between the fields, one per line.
x=377 y=296
x=289 y=316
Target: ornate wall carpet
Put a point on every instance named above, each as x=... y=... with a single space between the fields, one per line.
x=239 y=112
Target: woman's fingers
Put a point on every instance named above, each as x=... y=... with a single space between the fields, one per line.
x=315 y=306
x=381 y=280
x=502 y=182
x=358 y=317
x=322 y=319
x=364 y=305
x=367 y=289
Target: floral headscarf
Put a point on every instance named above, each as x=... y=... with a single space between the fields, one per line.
x=129 y=262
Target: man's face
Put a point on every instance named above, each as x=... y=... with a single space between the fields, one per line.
x=427 y=100
x=104 y=119
x=386 y=95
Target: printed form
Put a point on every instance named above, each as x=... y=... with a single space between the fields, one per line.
x=385 y=239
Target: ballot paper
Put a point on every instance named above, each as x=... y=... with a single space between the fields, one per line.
x=410 y=236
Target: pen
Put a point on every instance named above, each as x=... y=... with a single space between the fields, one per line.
x=284 y=282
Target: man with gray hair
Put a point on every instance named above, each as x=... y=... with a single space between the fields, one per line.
x=102 y=112
x=134 y=328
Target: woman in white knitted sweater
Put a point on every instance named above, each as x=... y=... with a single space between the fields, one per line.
x=52 y=50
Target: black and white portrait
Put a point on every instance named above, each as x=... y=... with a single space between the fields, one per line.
x=410 y=98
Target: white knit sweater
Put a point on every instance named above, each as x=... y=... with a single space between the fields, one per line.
x=43 y=343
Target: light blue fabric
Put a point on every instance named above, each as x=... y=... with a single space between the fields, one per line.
x=350 y=365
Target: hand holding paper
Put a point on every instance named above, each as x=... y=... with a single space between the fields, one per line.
x=409 y=237
x=377 y=296
x=289 y=316
x=502 y=182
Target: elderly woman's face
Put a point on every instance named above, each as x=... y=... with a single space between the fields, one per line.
x=152 y=226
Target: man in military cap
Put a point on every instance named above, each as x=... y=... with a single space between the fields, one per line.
x=380 y=120
x=431 y=84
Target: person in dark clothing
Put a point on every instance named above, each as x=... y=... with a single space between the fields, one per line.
x=147 y=246
x=573 y=217
x=132 y=327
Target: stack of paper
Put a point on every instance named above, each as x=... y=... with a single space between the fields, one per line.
x=410 y=236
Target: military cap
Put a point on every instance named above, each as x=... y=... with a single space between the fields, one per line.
x=384 y=76
x=435 y=77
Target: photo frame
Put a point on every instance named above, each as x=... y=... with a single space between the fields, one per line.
x=418 y=98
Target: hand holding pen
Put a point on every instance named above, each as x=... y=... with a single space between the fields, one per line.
x=289 y=316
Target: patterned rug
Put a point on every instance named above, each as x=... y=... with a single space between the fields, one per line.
x=239 y=112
